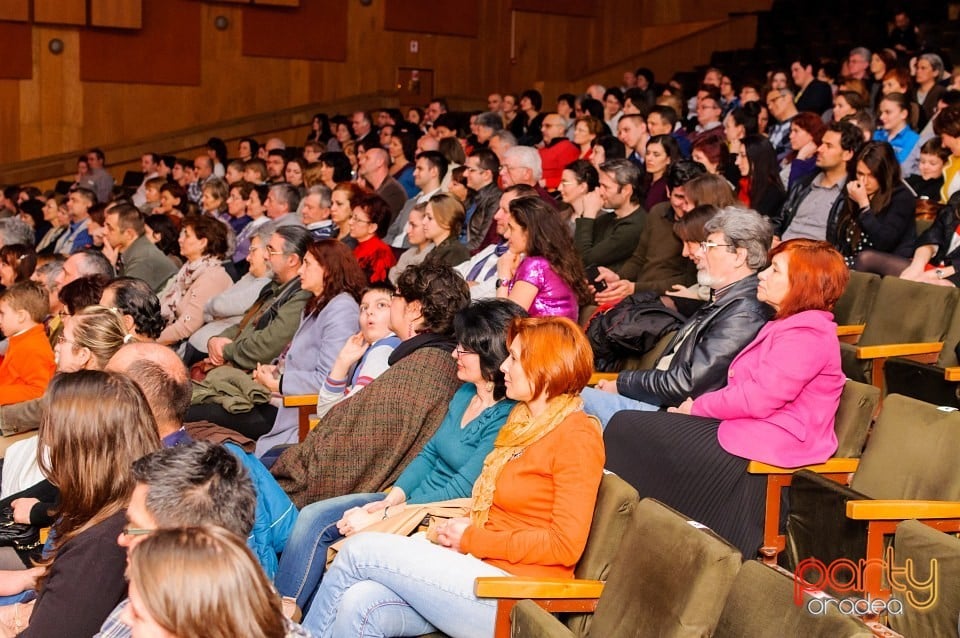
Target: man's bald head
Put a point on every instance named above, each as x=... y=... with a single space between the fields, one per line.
x=162 y=377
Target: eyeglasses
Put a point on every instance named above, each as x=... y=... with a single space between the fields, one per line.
x=273 y=252
x=460 y=351
x=62 y=339
x=354 y=218
x=133 y=531
x=707 y=245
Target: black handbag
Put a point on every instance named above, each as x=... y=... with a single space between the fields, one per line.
x=20 y=536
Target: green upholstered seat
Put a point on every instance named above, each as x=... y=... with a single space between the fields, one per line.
x=761 y=603
x=857 y=299
x=904 y=312
x=858 y=404
x=920 y=544
x=670 y=579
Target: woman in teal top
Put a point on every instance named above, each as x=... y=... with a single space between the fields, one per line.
x=446 y=468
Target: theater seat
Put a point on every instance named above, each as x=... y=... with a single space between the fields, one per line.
x=928 y=548
x=671 y=579
x=908 y=470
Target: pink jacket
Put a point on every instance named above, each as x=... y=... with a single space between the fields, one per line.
x=782 y=393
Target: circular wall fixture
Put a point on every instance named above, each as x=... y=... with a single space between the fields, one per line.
x=221 y=23
x=56 y=46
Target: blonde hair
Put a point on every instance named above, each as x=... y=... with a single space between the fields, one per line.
x=449 y=212
x=101 y=331
x=203 y=582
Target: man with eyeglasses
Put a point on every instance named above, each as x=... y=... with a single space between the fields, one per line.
x=709 y=123
x=782 y=110
x=184 y=486
x=697 y=359
x=557 y=150
x=269 y=324
x=522 y=165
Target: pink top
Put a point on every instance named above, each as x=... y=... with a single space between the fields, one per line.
x=782 y=393
x=554 y=297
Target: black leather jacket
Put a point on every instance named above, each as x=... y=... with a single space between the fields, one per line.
x=796 y=195
x=720 y=330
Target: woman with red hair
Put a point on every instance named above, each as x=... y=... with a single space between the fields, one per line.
x=806 y=133
x=530 y=513
x=778 y=406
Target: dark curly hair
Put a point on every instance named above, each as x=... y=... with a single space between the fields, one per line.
x=441 y=293
x=548 y=236
x=482 y=328
x=136 y=298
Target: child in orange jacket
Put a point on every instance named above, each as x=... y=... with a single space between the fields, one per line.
x=29 y=364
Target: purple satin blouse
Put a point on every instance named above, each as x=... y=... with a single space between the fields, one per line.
x=554 y=297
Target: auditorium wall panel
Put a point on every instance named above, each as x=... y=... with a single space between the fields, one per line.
x=52 y=110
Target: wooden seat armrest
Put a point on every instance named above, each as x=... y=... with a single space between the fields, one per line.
x=899 y=350
x=514 y=587
x=831 y=466
x=597 y=377
x=952 y=374
x=297 y=400
x=851 y=330
x=880 y=510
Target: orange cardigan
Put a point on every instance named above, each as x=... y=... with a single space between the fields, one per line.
x=543 y=504
x=27 y=368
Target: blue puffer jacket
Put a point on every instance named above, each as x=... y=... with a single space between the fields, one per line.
x=276 y=513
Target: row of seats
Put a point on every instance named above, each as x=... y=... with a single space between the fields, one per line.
x=900 y=335
x=673 y=577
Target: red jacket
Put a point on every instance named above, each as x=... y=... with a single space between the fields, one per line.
x=555 y=158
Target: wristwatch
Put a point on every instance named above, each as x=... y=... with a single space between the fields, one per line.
x=500 y=283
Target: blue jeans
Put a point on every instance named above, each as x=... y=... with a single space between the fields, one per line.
x=388 y=585
x=304 y=559
x=604 y=405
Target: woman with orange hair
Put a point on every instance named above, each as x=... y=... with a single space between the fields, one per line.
x=530 y=515
x=778 y=406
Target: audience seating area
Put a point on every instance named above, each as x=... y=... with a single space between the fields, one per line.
x=280 y=292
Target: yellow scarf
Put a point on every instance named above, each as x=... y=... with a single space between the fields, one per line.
x=519 y=432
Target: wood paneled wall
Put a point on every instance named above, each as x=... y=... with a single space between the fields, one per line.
x=55 y=111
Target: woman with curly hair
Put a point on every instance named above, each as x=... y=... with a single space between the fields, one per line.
x=363 y=443
x=541 y=270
